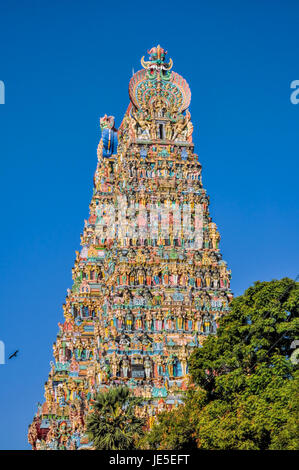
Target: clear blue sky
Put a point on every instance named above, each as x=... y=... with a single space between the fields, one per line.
x=66 y=63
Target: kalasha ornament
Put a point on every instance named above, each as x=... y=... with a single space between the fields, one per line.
x=149 y=282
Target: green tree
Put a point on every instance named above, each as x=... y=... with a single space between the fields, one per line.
x=246 y=394
x=113 y=424
x=175 y=429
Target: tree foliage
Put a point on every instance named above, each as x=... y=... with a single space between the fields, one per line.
x=113 y=424
x=246 y=386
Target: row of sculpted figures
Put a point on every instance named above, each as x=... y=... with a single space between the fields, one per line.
x=179 y=275
x=145 y=368
x=166 y=169
x=151 y=321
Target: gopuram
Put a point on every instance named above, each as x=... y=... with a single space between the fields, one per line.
x=149 y=283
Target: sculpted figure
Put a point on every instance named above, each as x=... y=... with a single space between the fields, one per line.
x=165 y=276
x=179 y=321
x=183 y=279
x=214 y=235
x=138 y=322
x=129 y=321
x=148 y=277
x=141 y=123
x=114 y=365
x=183 y=358
x=168 y=130
x=174 y=276
x=159 y=363
x=179 y=126
x=147 y=367
x=125 y=366
x=140 y=277
x=208 y=279
x=215 y=281
x=189 y=131
x=149 y=321
x=153 y=130
x=170 y=366
x=198 y=278
x=159 y=321
x=156 y=276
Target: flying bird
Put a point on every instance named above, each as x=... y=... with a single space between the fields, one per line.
x=14 y=354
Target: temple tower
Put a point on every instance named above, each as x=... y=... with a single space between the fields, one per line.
x=149 y=282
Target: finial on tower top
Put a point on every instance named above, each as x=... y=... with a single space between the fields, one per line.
x=157 y=54
x=157 y=81
x=157 y=59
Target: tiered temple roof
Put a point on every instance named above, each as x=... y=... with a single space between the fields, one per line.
x=149 y=282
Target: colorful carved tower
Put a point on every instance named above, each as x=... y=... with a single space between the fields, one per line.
x=149 y=281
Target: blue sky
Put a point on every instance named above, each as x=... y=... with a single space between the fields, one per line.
x=66 y=63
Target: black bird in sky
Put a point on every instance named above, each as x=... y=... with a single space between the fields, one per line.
x=14 y=354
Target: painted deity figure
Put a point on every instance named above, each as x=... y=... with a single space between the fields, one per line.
x=159 y=322
x=184 y=360
x=124 y=277
x=119 y=321
x=148 y=277
x=149 y=321
x=169 y=323
x=215 y=281
x=147 y=367
x=132 y=277
x=125 y=367
x=114 y=365
x=208 y=279
x=179 y=321
x=159 y=366
x=139 y=322
x=168 y=130
x=170 y=366
x=156 y=276
x=129 y=321
x=183 y=279
x=141 y=277
x=214 y=235
x=198 y=279
x=165 y=276
x=190 y=321
x=174 y=276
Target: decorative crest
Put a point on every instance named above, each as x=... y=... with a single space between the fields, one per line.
x=157 y=59
x=156 y=82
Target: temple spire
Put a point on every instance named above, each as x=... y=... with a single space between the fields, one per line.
x=149 y=282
